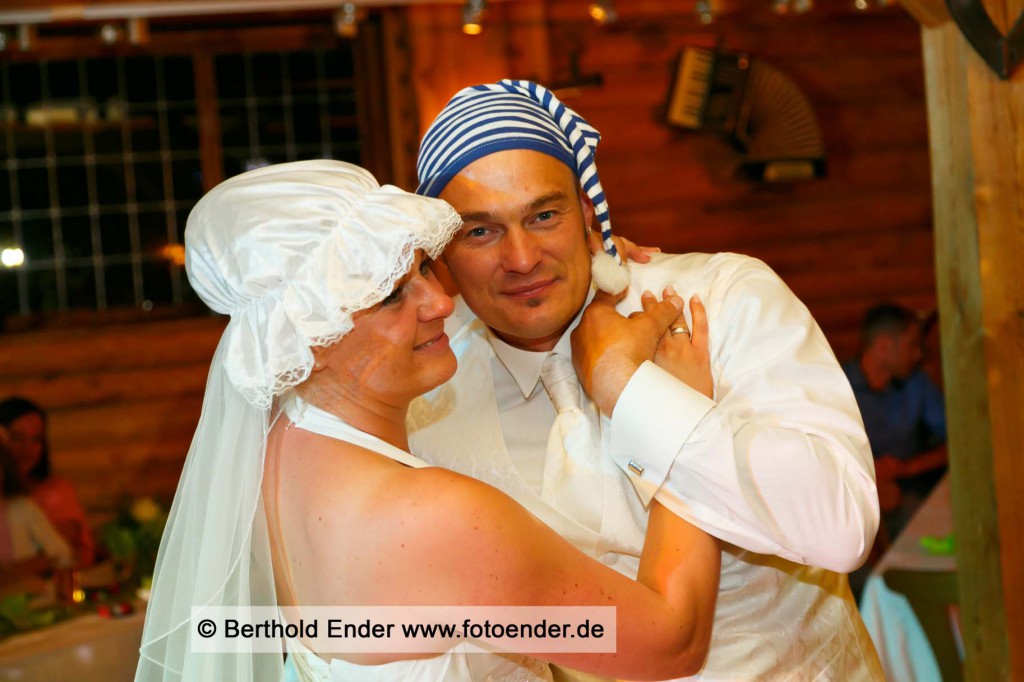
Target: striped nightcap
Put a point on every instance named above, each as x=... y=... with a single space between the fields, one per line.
x=511 y=114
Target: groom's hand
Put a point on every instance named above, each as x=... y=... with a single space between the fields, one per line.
x=607 y=348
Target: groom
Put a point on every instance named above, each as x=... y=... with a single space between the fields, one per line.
x=776 y=464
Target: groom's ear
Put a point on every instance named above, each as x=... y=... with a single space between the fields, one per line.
x=587 y=206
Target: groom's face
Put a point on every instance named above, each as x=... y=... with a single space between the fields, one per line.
x=521 y=260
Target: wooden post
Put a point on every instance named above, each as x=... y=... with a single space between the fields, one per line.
x=977 y=146
x=211 y=161
x=403 y=121
x=372 y=105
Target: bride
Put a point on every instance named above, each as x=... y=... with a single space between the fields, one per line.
x=299 y=489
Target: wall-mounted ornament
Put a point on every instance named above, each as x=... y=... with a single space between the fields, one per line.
x=1003 y=53
x=757 y=107
x=575 y=81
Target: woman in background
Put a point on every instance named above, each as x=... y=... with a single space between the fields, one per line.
x=29 y=544
x=25 y=423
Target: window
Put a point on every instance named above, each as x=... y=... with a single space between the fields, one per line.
x=102 y=160
x=101 y=166
x=277 y=107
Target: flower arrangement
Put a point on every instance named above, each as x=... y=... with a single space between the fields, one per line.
x=17 y=615
x=133 y=538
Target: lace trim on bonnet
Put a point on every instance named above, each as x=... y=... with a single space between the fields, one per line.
x=337 y=320
x=292 y=251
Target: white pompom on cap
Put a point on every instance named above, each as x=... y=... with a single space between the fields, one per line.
x=609 y=275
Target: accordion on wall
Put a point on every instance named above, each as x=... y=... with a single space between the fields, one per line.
x=756 y=106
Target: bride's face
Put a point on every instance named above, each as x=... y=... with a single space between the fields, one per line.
x=397 y=349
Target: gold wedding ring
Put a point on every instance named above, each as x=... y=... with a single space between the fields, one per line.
x=679 y=329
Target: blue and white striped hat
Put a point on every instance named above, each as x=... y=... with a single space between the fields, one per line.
x=517 y=114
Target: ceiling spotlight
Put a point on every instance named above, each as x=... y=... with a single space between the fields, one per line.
x=12 y=257
x=110 y=34
x=705 y=12
x=346 y=20
x=473 y=16
x=860 y=4
x=603 y=12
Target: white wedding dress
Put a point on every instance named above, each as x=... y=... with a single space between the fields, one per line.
x=464 y=663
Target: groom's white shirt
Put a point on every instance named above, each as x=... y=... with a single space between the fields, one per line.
x=777 y=465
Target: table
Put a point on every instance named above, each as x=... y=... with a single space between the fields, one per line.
x=81 y=649
x=902 y=645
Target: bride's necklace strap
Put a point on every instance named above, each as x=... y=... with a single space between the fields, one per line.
x=312 y=418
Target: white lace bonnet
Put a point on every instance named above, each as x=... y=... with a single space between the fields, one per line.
x=291 y=251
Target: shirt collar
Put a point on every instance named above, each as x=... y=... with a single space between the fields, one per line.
x=525 y=365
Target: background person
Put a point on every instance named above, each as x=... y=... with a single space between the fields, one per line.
x=25 y=422
x=903 y=410
x=29 y=544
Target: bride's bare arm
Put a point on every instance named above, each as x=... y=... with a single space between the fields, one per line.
x=680 y=560
x=449 y=540
x=683 y=563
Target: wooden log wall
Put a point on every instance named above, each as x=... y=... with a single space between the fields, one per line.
x=856 y=238
x=123 y=401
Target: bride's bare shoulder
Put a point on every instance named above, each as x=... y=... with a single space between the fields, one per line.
x=403 y=535
x=313 y=469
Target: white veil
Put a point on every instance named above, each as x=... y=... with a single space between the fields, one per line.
x=290 y=252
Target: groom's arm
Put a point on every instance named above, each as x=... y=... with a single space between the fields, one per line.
x=778 y=463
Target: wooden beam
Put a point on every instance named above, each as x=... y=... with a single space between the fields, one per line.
x=86 y=388
x=997 y=109
x=371 y=100
x=171 y=41
x=112 y=348
x=211 y=162
x=927 y=12
x=978 y=179
x=403 y=123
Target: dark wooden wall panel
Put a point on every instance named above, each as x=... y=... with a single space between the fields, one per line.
x=858 y=237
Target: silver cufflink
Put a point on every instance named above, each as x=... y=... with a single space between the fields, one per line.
x=635 y=467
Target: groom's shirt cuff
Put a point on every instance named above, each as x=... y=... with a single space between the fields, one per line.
x=655 y=415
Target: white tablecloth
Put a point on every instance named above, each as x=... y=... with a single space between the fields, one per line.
x=81 y=649
x=902 y=645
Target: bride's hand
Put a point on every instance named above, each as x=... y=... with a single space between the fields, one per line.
x=626 y=248
x=684 y=352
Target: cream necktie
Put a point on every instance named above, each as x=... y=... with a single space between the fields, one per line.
x=572 y=472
